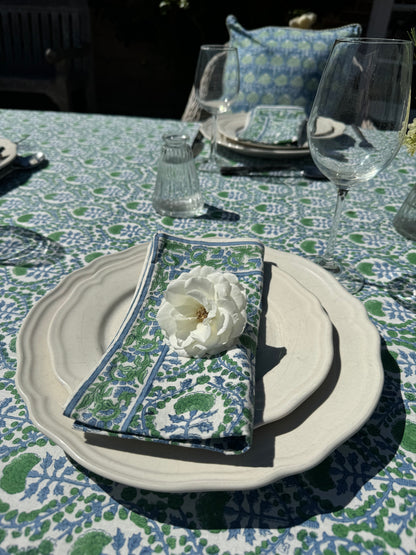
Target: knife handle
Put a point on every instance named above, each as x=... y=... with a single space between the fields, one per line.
x=249 y=170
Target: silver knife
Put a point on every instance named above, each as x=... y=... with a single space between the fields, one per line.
x=275 y=170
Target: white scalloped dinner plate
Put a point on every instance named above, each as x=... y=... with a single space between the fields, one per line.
x=334 y=412
x=295 y=351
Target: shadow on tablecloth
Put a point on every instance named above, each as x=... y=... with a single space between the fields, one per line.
x=216 y=213
x=327 y=488
x=11 y=179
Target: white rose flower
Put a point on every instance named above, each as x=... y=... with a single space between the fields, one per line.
x=203 y=312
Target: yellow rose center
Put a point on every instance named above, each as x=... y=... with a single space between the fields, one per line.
x=201 y=314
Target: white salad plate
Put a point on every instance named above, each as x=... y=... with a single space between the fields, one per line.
x=229 y=126
x=297 y=442
x=295 y=339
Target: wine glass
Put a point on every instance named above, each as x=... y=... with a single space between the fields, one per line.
x=365 y=93
x=216 y=83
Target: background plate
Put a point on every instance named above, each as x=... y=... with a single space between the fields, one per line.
x=251 y=150
x=230 y=124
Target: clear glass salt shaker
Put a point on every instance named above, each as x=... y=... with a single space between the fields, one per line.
x=177 y=192
x=405 y=219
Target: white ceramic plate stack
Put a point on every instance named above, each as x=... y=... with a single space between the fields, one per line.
x=229 y=126
x=318 y=375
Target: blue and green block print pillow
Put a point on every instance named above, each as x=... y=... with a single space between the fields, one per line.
x=282 y=65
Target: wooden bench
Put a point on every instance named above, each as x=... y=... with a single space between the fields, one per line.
x=46 y=48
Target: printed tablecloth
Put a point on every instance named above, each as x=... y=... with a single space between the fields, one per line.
x=94 y=198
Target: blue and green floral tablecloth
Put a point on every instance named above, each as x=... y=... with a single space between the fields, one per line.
x=94 y=198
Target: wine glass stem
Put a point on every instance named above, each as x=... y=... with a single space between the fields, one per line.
x=213 y=146
x=330 y=248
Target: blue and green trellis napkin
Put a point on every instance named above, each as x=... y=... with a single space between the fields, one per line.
x=143 y=389
x=273 y=125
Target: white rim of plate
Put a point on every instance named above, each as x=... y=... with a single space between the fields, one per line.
x=290 y=445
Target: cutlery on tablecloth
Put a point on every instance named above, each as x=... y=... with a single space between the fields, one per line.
x=275 y=170
x=22 y=138
x=29 y=162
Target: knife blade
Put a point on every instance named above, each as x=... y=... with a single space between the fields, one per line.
x=274 y=170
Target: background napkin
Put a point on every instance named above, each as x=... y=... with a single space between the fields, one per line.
x=142 y=389
x=273 y=125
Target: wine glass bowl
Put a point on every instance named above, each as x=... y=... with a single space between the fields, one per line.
x=365 y=88
x=216 y=84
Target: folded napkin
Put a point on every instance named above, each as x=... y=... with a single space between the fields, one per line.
x=273 y=125
x=143 y=389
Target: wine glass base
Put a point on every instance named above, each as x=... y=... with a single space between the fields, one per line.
x=211 y=165
x=347 y=276
x=21 y=246
x=403 y=290
x=207 y=165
